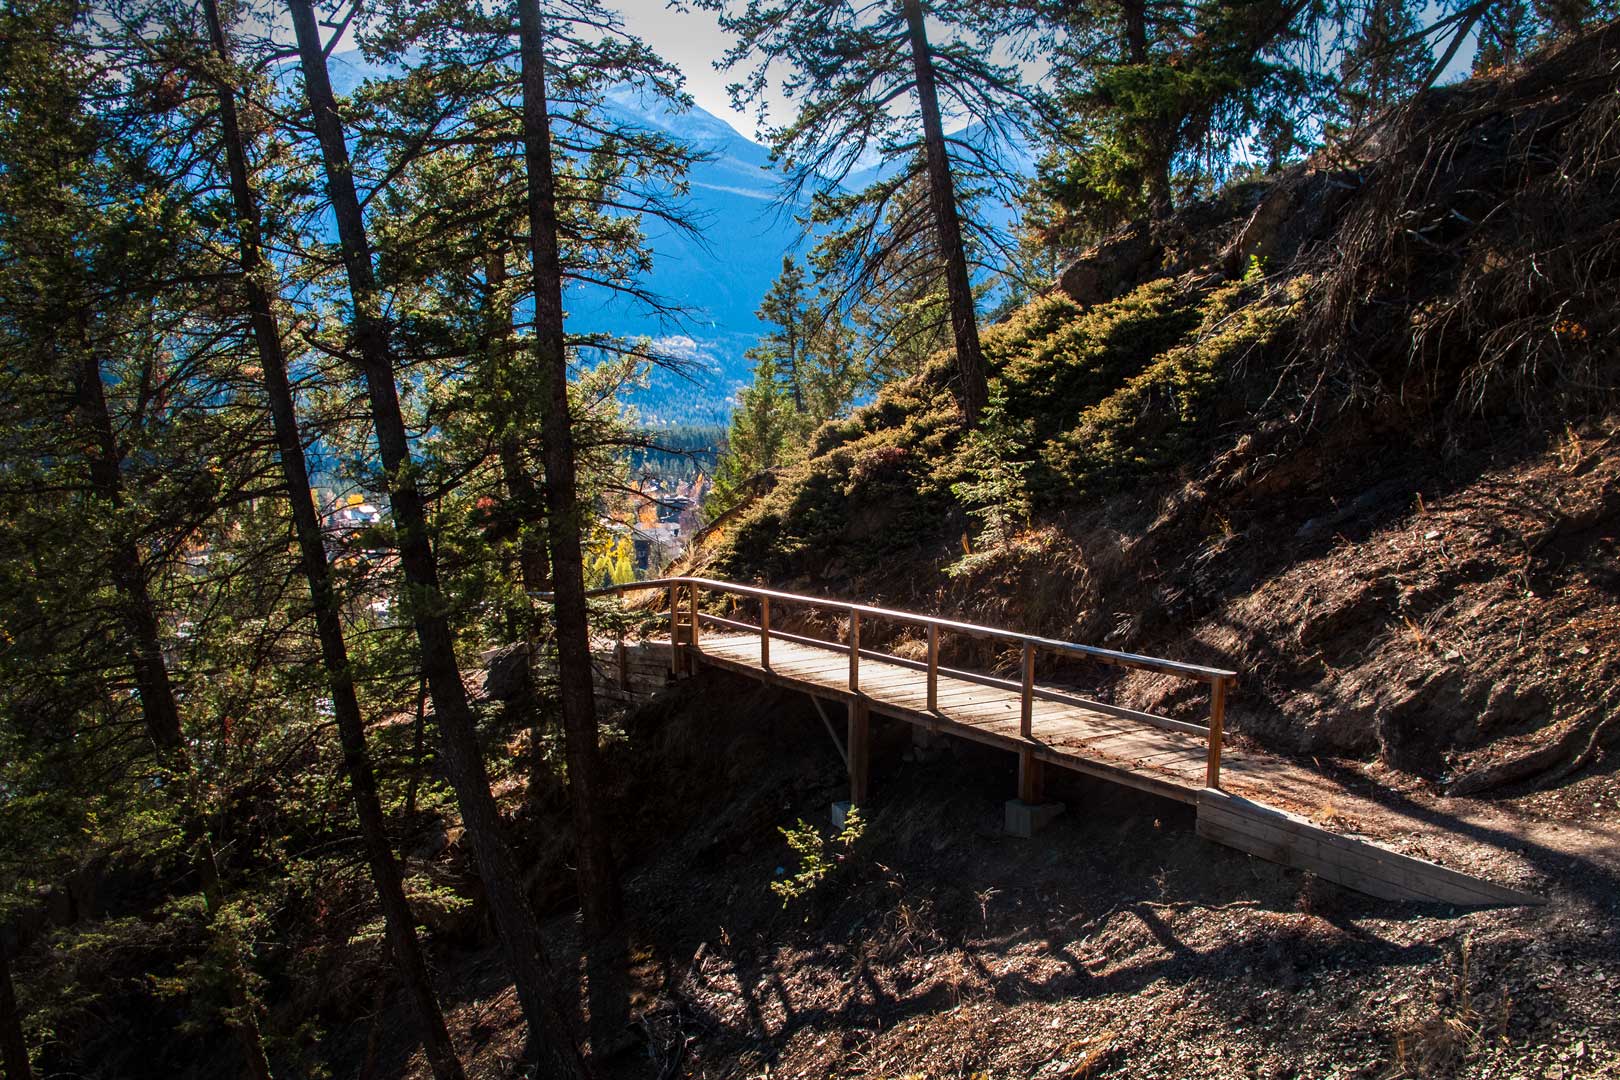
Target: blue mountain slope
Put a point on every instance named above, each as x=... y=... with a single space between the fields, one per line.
x=718 y=276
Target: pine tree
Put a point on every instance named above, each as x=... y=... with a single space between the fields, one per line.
x=850 y=65
x=525 y=955
x=785 y=309
x=96 y=286
x=573 y=217
x=1155 y=94
x=13 y=1045
x=755 y=442
x=600 y=897
x=257 y=276
x=1386 y=61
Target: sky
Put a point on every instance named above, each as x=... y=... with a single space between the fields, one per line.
x=692 y=40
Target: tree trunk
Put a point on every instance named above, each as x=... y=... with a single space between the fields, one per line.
x=600 y=901
x=13 y=1047
x=1135 y=21
x=549 y=1036
x=1161 y=200
x=972 y=391
x=417 y=754
x=522 y=493
x=256 y=275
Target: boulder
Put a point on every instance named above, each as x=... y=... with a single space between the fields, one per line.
x=507 y=674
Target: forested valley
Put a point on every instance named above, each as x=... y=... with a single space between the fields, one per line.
x=355 y=357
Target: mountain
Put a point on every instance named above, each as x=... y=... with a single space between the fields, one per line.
x=735 y=201
x=719 y=275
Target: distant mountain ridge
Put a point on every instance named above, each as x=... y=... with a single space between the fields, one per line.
x=719 y=278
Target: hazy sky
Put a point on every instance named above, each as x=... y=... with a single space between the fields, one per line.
x=692 y=40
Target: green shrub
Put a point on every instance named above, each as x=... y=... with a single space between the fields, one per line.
x=1086 y=401
x=818 y=857
x=1157 y=417
x=1054 y=361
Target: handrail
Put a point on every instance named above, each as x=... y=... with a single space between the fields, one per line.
x=1041 y=693
x=1217 y=678
x=1111 y=656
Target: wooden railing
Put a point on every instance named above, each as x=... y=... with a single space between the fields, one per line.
x=1030 y=646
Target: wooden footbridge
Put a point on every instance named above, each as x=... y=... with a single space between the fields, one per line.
x=1044 y=725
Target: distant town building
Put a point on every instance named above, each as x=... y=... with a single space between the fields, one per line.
x=662 y=514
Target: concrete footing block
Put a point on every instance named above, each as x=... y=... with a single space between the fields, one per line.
x=925 y=745
x=840 y=814
x=1026 y=819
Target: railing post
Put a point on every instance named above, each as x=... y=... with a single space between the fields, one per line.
x=1026 y=715
x=694 y=597
x=933 y=667
x=1217 y=721
x=765 y=632
x=854 y=651
x=674 y=630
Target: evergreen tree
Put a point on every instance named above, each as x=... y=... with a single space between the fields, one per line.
x=756 y=441
x=600 y=896
x=850 y=66
x=549 y=1033
x=1155 y=96
x=120 y=405
x=1387 y=59
x=807 y=369
x=13 y=1045
x=257 y=277
x=563 y=191
x=785 y=310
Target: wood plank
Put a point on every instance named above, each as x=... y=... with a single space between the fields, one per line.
x=1089 y=728
x=947 y=691
x=1358 y=863
x=823 y=667
x=1138 y=743
x=1278 y=850
x=1431 y=876
x=1150 y=783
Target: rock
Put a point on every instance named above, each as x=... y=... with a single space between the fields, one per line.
x=506 y=674
x=1111 y=268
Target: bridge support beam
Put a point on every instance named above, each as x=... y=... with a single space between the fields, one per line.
x=1031 y=777
x=1029 y=813
x=859 y=749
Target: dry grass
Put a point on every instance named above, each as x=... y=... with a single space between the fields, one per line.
x=1434 y=1040
x=1476 y=265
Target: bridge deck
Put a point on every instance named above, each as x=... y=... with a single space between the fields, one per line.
x=1259 y=803
x=1088 y=740
x=1243 y=814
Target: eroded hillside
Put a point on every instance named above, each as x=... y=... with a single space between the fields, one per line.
x=1350 y=431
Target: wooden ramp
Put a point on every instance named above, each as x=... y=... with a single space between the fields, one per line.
x=1281 y=837
x=1045 y=725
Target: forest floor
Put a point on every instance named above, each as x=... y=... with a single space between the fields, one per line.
x=1115 y=943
